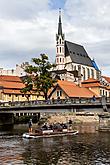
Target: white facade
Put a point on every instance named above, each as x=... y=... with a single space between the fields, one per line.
x=60 y=54
x=18 y=71
x=64 y=62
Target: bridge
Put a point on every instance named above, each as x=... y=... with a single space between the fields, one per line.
x=9 y=109
x=64 y=105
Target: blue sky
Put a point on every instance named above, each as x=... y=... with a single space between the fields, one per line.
x=55 y=4
x=29 y=27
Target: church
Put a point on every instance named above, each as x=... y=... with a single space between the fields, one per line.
x=72 y=60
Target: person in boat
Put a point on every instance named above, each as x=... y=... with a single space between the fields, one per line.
x=30 y=126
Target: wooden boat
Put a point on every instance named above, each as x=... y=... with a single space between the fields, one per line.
x=49 y=133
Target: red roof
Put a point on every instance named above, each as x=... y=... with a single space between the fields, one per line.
x=10 y=78
x=106 y=78
x=72 y=90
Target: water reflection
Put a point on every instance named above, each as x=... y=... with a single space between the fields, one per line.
x=81 y=149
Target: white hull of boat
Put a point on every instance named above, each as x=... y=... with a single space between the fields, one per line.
x=34 y=136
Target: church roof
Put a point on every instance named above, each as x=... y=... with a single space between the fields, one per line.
x=95 y=65
x=77 y=53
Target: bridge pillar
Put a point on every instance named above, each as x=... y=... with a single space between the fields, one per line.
x=6 y=119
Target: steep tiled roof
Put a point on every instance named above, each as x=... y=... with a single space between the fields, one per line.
x=10 y=78
x=77 y=53
x=72 y=90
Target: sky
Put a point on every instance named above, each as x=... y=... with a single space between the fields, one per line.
x=28 y=28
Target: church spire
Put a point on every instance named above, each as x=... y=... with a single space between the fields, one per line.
x=59 y=24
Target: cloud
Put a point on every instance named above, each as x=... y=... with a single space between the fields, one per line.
x=28 y=28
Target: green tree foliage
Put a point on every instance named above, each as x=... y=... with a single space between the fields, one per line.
x=39 y=77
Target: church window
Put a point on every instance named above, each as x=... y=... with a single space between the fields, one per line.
x=57 y=49
x=92 y=73
x=57 y=60
x=84 y=74
x=88 y=72
x=60 y=49
x=60 y=41
x=60 y=59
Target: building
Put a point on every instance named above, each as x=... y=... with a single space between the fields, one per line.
x=66 y=89
x=18 y=71
x=72 y=60
x=10 y=90
x=99 y=87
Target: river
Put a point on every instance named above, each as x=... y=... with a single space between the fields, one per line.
x=82 y=149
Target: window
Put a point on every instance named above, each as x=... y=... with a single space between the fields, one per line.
x=59 y=93
x=22 y=95
x=88 y=72
x=57 y=49
x=60 y=41
x=92 y=73
x=9 y=95
x=103 y=92
x=60 y=49
x=16 y=95
x=57 y=60
x=60 y=59
x=100 y=92
x=84 y=74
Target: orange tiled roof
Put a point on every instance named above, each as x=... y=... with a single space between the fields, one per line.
x=90 y=80
x=10 y=78
x=106 y=78
x=72 y=90
x=15 y=85
x=92 y=85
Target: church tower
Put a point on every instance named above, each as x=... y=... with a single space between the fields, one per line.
x=60 y=54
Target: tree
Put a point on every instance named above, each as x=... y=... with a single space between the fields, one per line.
x=39 y=77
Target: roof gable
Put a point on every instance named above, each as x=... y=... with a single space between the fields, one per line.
x=72 y=90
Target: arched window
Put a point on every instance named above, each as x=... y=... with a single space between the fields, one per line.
x=60 y=40
x=60 y=49
x=57 y=49
x=60 y=59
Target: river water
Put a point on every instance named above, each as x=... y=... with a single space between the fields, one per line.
x=83 y=149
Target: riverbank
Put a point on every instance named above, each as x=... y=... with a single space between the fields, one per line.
x=77 y=118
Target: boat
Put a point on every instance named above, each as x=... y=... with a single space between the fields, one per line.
x=49 y=133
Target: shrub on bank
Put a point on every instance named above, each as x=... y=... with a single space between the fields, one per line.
x=25 y=119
